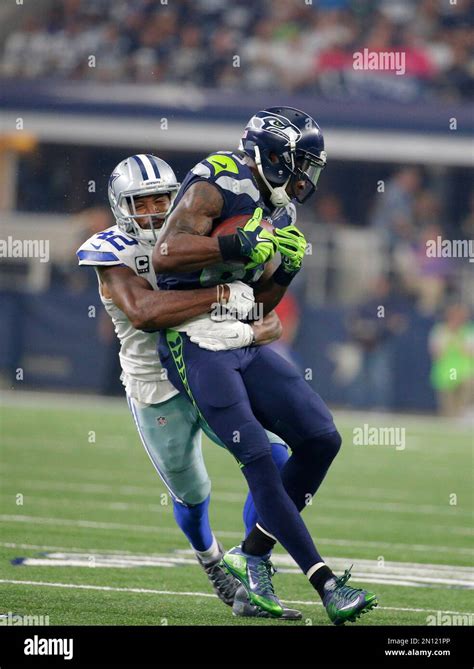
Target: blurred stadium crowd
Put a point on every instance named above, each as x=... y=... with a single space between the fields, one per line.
x=367 y=226
x=294 y=46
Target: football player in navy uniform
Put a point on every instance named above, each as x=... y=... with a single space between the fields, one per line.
x=240 y=392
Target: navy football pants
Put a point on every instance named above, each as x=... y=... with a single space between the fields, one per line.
x=238 y=392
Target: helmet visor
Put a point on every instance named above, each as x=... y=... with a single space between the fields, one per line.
x=308 y=170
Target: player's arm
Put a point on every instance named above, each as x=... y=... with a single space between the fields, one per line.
x=267 y=291
x=274 y=281
x=184 y=246
x=267 y=330
x=149 y=309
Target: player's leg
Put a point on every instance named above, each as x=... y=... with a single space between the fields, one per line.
x=242 y=606
x=285 y=403
x=213 y=382
x=172 y=438
x=171 y=435
x=280 y=455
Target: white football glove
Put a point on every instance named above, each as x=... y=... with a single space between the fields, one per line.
x=240 y=303
x=220 y=336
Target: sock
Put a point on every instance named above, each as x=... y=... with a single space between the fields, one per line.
x=280 y=455
x=319 y=578
x=278 y=512
x=194 y=521
x=257 y=542
x=212 y=554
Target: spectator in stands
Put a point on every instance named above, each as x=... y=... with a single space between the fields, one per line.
x=467 y=224
x=328 y=211
x=458 y=79
x=24 y=50
x=189 y=60
x=373 y=327
x=321 y=226
x=393 y=214
x=423 y=275
x=258 y=55
x=427 y=210
x=451 y=346
x=196 y=42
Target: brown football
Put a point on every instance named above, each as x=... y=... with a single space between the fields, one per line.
x=230 y=225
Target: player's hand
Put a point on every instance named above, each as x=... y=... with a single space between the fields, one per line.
x=240 y=300
x=292 y=246
x=256 y=243
x=223 y=336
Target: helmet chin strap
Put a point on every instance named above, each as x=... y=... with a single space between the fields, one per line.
x=149 y=234
x=278 y=196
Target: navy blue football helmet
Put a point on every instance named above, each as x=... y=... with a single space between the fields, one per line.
x=296 y=140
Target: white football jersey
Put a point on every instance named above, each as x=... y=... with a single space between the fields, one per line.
x=142 y=373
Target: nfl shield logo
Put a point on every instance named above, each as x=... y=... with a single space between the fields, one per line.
x=161 y=420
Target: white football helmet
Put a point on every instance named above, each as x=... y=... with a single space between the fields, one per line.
x=142 y=174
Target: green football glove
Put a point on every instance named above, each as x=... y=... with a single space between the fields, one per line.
x=257 y=244
x=292 y=246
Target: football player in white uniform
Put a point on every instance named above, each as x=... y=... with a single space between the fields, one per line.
x=141 y=191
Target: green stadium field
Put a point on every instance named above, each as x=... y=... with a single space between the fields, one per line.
x=81 y=502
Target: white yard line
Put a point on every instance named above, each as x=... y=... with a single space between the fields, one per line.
x=367 y=571
x=148 y=591
x=378 y=545
x=406 y=574
x=278 y=558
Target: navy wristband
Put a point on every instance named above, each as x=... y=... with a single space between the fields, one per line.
x=230 y=247
x=283 y=278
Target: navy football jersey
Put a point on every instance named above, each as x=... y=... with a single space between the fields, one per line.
x=228 y=172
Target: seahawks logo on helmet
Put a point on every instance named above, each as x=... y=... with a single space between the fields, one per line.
x=277 y=125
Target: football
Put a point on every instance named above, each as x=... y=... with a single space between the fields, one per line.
x=229 y=226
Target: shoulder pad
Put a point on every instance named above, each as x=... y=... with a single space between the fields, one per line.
x=221 y=161
x=227 y=171
x=110 y=247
